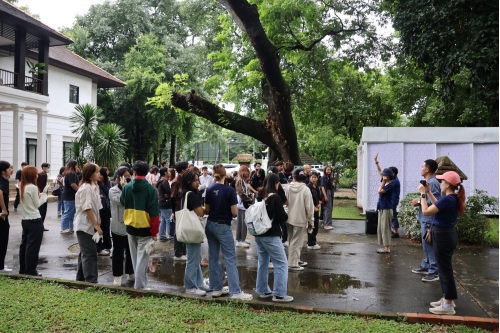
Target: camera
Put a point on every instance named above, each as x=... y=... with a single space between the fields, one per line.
x=423 y=182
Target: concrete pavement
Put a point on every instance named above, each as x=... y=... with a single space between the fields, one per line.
x=345 y=274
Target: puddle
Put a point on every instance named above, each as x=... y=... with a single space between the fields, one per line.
x=167 y=270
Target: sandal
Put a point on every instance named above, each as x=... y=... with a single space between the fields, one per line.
x=382 y=250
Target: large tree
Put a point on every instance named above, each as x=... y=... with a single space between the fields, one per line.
x=297 y=27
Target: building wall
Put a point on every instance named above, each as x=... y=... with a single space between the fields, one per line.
x=479 y=161
x=59 y=111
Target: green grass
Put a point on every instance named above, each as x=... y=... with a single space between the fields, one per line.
x=491 y=236
x=37 y=306
x=346 y=209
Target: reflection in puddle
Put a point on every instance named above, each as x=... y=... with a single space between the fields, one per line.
x=167 y=270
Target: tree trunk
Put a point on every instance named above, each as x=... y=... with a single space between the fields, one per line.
x=155 y=159
x=173 y=143
x=278 y=129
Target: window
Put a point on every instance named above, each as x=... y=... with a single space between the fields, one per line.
x=74 y=94
x=31 y=151
x=67 y=152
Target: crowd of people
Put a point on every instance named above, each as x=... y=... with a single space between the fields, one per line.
x=139 y=204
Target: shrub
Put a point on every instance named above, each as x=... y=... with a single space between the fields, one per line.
x=348 y=176
x=471 y=226
x=408 y=216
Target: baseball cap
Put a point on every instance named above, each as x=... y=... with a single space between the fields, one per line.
x=451 y=177
x=387 y=172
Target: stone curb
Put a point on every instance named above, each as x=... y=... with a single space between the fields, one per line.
x=491 y=324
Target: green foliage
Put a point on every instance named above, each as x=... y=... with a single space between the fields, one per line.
x=348 y=177
x=408 y=216
x=491 y=236
x=455 y=43
x=35 y=68
x=110 y=145
x=472 y=226
x=38 y=306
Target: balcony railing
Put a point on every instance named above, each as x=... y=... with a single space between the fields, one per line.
x=9 y=79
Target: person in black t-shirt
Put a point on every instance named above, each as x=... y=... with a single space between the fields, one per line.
x=18 y=185
x=193 y=276
x=316 y=195
x=70 y=182
x=5 y=170
x=165 y=204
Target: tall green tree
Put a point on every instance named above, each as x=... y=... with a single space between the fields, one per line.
x=455 y=45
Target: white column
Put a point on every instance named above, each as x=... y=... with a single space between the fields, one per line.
x=18 y=140
x=41 y=138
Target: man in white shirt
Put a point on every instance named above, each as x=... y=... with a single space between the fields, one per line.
x=206 y=180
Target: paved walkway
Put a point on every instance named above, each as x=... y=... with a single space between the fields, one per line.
x=346 y=273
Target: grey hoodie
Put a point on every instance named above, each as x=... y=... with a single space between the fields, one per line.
x=300 y=205
x=117 y=211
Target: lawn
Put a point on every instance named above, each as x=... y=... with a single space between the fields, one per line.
x=491 y=236
x=37 y=306
x=346 y=209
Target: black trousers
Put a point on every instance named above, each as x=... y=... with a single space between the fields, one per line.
x=18 y=198
x=179 y=247
x=30 y=246
x=4 y=240
x=311 y=237
x=120 y=244
x=43 y=211
x=444 y=242
x=105 y=215
x=87 y=259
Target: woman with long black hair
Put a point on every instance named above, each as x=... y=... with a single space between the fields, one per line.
x=70 y=187
x=444 y=234
x=327 y=185
x=104 y=246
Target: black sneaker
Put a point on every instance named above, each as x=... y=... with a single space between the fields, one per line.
x=430 y=278
x=420 y=270
x=395 y=235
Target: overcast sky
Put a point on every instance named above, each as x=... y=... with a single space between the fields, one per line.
x=58 y=13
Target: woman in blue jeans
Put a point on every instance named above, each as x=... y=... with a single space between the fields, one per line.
x=70 y=182
x=193 y=277
x=269 y=246
x=444 y=235
x=221 y=207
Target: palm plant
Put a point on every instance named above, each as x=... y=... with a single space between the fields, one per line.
x=109 y=145
x=84 y=121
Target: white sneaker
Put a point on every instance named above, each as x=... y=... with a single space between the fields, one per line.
x=442 y=310
x=103 y=253
x=117 y=281
x=270 y=265
x=266 y=295
x=314 y=247
x=242 y=244
x=218 y=293
x=283 y=299
x=285 y=244
x=296 y=268
x=181 y=258
x=328 y=227
x=247 y=241
x=205 y=288
x=242 y=296
x=131 y=277
x=5 y=270
x=441 y=302
x=302 y=263
x=196 y=292
x=65 y=232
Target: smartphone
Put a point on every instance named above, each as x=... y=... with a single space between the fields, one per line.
x=423 y=182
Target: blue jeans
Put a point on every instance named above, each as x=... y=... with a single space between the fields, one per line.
x=60 y=204
x=220 y=237
x=193 y=277
x=270 y=247
x=429 y=262
x=165 y=223
x=68 y=215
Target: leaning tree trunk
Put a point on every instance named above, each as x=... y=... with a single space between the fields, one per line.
x=278 y=129
x=173 y=144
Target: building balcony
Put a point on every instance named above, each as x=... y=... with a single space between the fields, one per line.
x=10 y=79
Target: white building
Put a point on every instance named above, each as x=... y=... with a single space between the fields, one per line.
x=36 y=109
x=474 y=150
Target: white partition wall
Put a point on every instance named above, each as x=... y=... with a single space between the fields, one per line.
x=474 y=150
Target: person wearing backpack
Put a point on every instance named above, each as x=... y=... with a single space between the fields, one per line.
x=301 y=212
x=269 y=246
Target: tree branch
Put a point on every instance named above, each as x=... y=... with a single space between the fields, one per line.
x=216 y=115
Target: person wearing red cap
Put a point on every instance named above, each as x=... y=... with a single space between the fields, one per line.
x=444 y=234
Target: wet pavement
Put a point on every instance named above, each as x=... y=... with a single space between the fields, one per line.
x=346 y=273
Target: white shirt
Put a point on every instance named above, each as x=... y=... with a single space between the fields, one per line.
x=87 y=197
x=31 y=202
x=208 y=181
